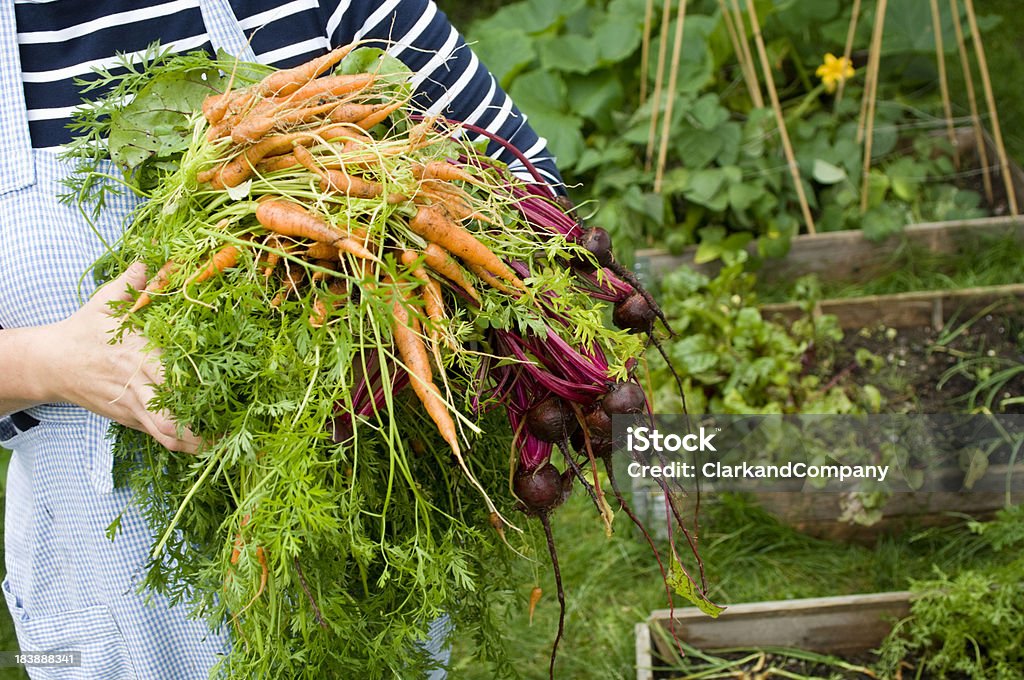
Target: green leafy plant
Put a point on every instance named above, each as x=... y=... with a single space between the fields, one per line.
x=967 y=623
x=574 y=68
x=733 y=360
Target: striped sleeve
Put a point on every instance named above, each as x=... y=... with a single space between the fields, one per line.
x=61 y=41
x=450 y=79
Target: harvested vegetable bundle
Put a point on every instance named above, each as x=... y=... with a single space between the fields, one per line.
x=316 y=250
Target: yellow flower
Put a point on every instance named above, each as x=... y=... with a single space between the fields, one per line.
x=834 y=70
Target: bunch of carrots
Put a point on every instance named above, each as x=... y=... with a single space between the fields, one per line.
x=408 y=259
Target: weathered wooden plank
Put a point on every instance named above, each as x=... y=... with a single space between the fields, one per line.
x=842 y=625
x=845 y=255
x=644 y=659
x=904 y=310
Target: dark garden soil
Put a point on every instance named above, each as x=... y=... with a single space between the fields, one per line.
x=921 y=370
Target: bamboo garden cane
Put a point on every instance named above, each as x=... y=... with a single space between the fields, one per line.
x=979 y=137
x=869 y=127
x=652 y=131
x=748 y=58
x=848 y=47
x=986 y=83
x=787 y=146
x=677 y=48
x=940 y=60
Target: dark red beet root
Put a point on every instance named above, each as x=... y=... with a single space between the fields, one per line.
x=552 y=420
x=624 y=398
x=541 y=490
x=599 y=423
x=598 y=243
x=634 y=314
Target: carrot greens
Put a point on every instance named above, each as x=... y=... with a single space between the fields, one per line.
x=361 y=316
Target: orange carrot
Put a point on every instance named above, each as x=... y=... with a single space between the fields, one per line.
x=332 y=86
x=379 y=115
x=272 y=258
x=350 y=112
x=413 y=351
x=291 y=219
x=290 y=80
x=353 y=247
x=337 y=180
x=304 y=157
x=433 y=223
x=354 y=186
x=443 y=170
x=238 y=540
x=275 y=163
x=492 y=280
x=155 y=285
x=322 y=251
x=319 y=315
x=235 y=171
x=225 y=258
x=535 y=596
x=256 y=126
x=438 y=259
x=451 y=198
x=216 y=106
x=433 y=302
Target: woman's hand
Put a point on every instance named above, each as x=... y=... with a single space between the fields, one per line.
x=75 y=362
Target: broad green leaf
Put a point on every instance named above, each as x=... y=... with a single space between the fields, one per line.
x=826 y=173
x=373 y=60
x=541 y=96
x=595 y=96
x=696 y=354
x=539 y=91
x=882 y=221
x=708 y=112
x=743 y=195
x=617 y=36
x=696 y=148
x=878 y=187
x=684 y=587
x=568 y=53
x=505 y=52
x=705 y=185
x=157 y=122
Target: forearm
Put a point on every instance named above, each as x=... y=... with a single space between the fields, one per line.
x=23 y=355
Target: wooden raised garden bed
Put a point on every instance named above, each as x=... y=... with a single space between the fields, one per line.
x=843 y=255
x=849 y=257
x=846 y=626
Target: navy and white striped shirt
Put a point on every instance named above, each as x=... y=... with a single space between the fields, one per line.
x=61 y=40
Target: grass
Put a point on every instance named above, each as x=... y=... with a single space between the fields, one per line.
x=612 y=584
x=984 y=261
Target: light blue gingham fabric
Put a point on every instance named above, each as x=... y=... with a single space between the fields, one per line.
x=67 y=586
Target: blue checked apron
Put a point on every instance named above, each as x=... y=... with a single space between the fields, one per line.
x=67 y=586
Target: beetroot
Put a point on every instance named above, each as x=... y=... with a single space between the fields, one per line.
x=599 y=423
x=540 y=490
x=552 y=420
x=634 y=314
x=624 y=398
x=598 y=243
